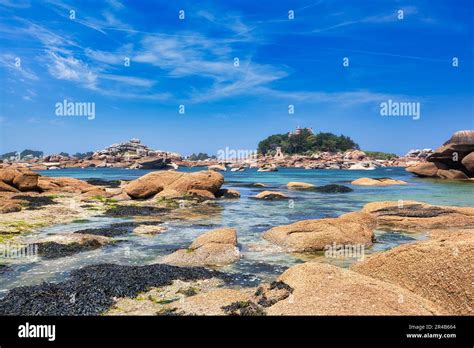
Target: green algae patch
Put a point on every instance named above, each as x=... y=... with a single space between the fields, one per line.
x=11 y=229
x=167 y=202
x=20 y=226
x=108 y=203
x=80 y=221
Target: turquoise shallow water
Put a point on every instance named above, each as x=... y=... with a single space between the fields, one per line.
x=260 y=260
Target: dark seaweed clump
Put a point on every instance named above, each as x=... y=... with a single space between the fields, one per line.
x=53 y=250
x=91 y=289
x=134 y=210
x=35 y=202
x=104 y=231
x=244 y=308
x=267 y=298
x=117 y=229
x=333 y=188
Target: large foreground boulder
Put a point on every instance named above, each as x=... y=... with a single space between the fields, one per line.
x=24 y=180
x=214 y=248
x=323 y=289
x=64 y=184
x=316 y=235
x=8 y=175
x=418 y=216
x=171 y=184
x=440 y=270
x=150 y=184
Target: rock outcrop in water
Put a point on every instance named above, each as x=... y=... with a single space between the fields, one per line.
x=440 y=270
x=214 y=248
x=271 y=195
x=377 y=182
x=228 y=193
x=299 y=185
x=453 y=160
x=171 y=184
x=315 y=235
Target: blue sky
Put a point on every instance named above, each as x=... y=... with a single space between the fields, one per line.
x=190 y=62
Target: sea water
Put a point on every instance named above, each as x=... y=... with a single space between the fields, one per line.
x=261 y=261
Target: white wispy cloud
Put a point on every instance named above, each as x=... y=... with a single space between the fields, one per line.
x=199 y=55
x=106 y=19
x=374 y=19
x=62 y=57
x=232 y=23
x=15 y=3
x=110 y=57
x=8 y=60
x=177 y=55
x=129 y=80
x=46 y=37
x=115 y=4
x=30 y=94
x=71 y=69
x=346 y=99
x=127 y=94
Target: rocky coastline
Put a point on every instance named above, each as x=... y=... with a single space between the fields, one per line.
x=168 y=286
x=135 y=155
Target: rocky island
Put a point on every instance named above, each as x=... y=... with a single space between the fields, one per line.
x=133 y=154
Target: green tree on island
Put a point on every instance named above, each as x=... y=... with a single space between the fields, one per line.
x=200 y=157
x=380 y=155
x=80 y=155
x=33 y=153
x=306 y=142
